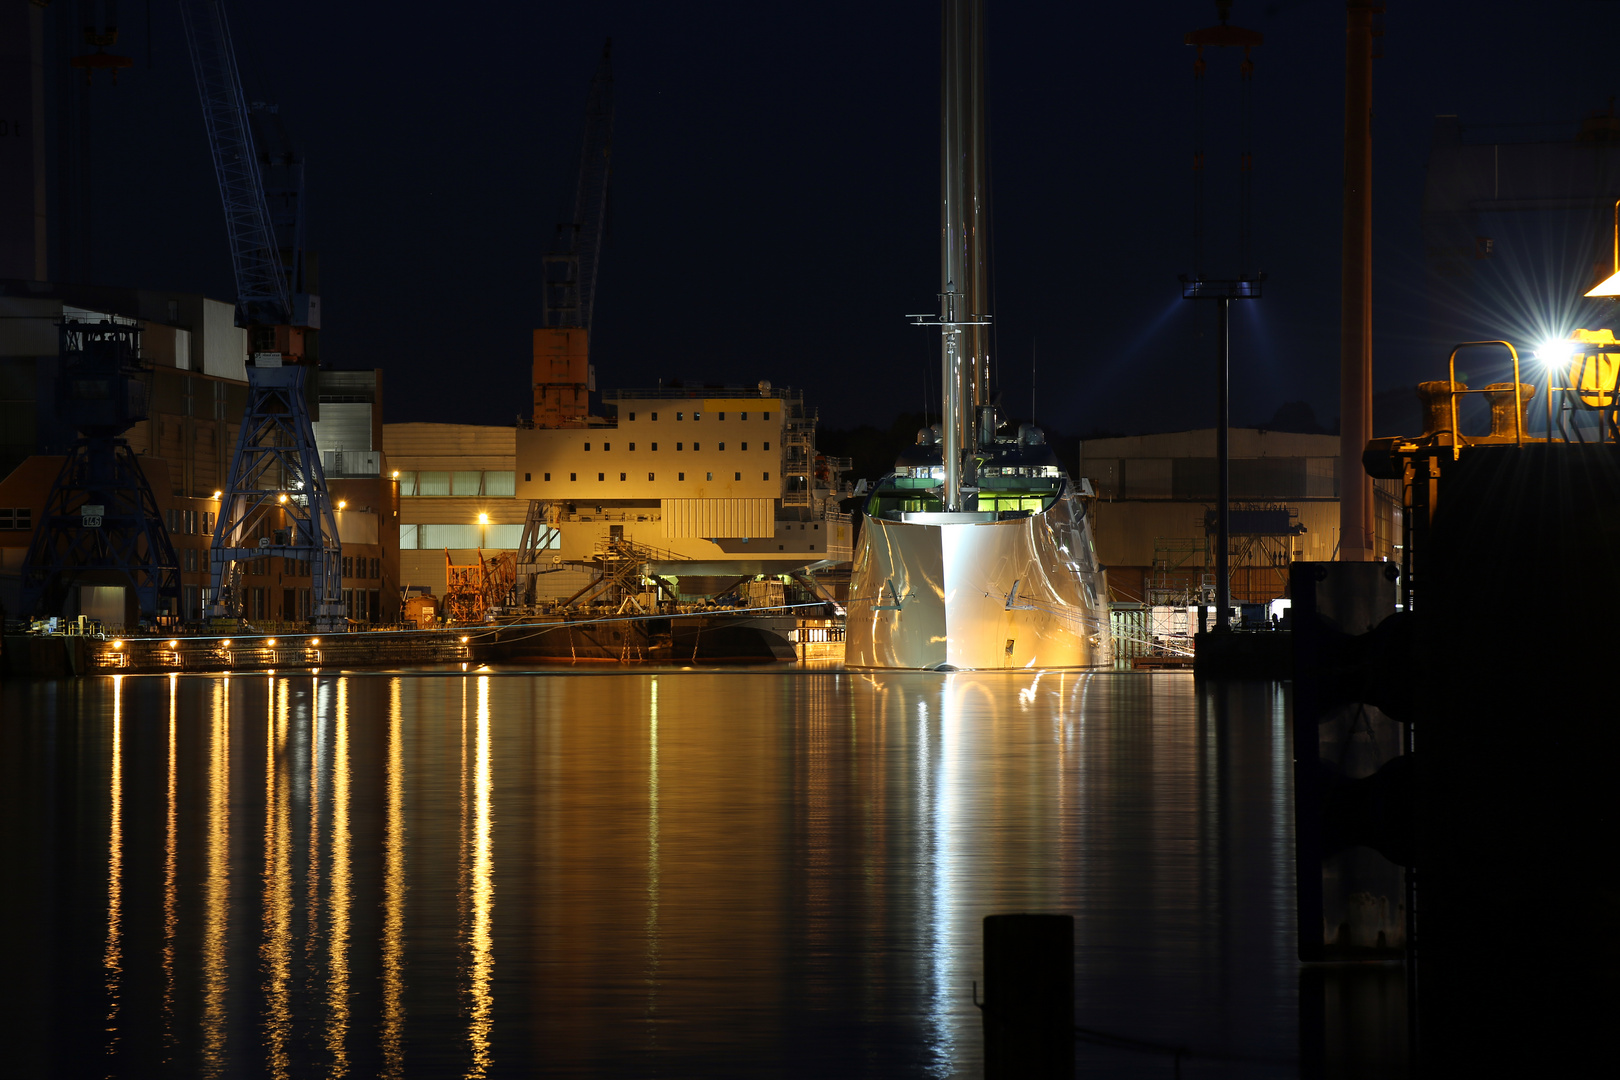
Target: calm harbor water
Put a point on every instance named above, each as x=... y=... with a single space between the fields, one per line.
x=633 y=873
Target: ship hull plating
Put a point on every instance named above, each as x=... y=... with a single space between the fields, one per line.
x=942 y=591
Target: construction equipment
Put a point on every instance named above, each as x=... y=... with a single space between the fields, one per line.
x=275 y=490
x=102 y=526
x=562 y=377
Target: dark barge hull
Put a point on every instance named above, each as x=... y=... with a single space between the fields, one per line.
x=693 y=638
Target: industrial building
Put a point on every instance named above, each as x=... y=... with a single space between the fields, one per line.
x=707 y=484
x=195 y=396
x=1156 y=495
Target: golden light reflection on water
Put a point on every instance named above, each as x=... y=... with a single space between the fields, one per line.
x=393 y=928
x=112 y=955
x=216 y=897
x=652 y=856
x=275 y=950
x=337 y=1019
x=819 y=847
x=171 y=849
x=483 y=897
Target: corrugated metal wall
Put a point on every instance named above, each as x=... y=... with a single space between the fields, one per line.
x=343 y=426
x=718 y=517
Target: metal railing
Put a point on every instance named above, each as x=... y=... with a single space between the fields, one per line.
x=1451 y=388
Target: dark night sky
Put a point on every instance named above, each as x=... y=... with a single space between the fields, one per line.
x=774 y=187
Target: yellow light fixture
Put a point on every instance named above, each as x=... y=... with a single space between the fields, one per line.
x=283 y=497
x=396 y=474
x=173 y=643
x=217 y=494
x=225 y=644
x=272 y=642
x=483 y=519
x=464 y=641
x=118 y=644
x=343 y=504
x=314 y=641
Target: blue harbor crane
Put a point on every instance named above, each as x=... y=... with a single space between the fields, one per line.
x=570 y=286
x=102 y=526
x=275 y=504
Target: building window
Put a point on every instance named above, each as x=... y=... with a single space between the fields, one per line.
x=632 y=446
x=587 y=446
x=722 y=446
x=680 y=416
x=694 y=446
x=655 y=446
x=607 y=446
x=745 y=446
x=738 y=476
x=527 y=477
x=601 y=476
x=722 y=416
x=680 y=476
x=573 y=476
x=697 y=416
x=766 y=415
x=767 y=444
x=709 y=475
x=548 y=478
x=632 y=416
x=655 y=416
x=767 y=476
x=745 y=416
x=621 y=478
x=649 y=476
x=680 y=446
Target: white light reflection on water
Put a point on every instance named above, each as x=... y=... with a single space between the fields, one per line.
x=275 y=950
x=337 y=1023
x=653 y=888
x=393 y=928
x=170 y=856
x=216 y=910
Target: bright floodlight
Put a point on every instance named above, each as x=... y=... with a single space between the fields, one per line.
x=1610 y=286
x=483 y=519
x=1555 y=353
x=283 y=497
x=217 y=494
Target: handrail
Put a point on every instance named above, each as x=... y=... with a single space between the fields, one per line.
x=1451 y=388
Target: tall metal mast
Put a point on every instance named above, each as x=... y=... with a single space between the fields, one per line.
x=275 y=502
x=961 y=219
x=571 y=269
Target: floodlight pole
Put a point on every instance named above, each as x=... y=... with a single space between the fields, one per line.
x=1223 y=292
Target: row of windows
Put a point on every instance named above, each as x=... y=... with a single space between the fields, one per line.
x=189 y=522
x=361 y=566
x=467 y=537
x=17 y=518
x=462 y=482
x=678 y=446
x=574 y=477
x=699 y=416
